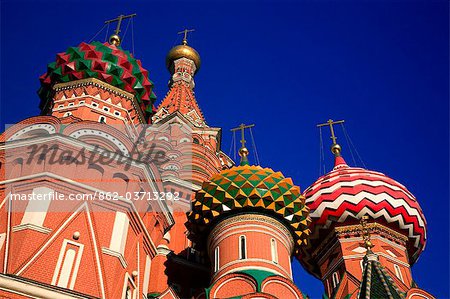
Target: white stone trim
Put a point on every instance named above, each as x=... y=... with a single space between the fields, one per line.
x=75 y=266
x=90 y=188
x=147 y=269
x=283 y=283
x=282 y=272
x=116 y=254
x=58 y=231
x=234 y=270
x=119 y=232
x=231 y=279
x=29 y=289
x=36 y=210
x=31 y=226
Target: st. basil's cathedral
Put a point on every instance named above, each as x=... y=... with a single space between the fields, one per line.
x=356 y=230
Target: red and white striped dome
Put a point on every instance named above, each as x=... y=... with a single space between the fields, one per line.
x=346 y=194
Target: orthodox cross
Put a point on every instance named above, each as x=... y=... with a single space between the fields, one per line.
x=330 y=123
x=242 y=128
x=119 y=20
x=365 y=232
x=185 y=32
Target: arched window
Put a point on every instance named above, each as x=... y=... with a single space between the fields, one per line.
x=273 y=250
x=102 y=119
x=216 y=259
x=398 y=272
x=335 y=279
x=242 y=248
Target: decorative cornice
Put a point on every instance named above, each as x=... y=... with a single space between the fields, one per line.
x=105 y=86
x=373 y=227
x=356 y=230
x=31 y=226
x=116 y=254
x=93 y=81
x=34 y=289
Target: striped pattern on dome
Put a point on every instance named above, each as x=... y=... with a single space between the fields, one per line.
x=105 y=62
x=256 y=189
x=348 y=193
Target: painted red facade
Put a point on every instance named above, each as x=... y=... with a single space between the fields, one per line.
x=238 y=245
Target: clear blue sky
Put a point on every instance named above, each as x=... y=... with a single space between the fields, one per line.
x=285 y=66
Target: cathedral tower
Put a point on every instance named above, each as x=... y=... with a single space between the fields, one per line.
x=93 y=242
x=336 y=253
x=250 y=220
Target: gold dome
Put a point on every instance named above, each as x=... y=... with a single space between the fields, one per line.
x=183 y=51
x=114 y=40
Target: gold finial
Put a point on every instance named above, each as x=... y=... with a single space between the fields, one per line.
x=365 y=232
x=335 y=148
x=185 y=32
x=243 y=151
x=115 y=38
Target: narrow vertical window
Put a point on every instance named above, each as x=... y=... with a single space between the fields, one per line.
x=398 y=272
x=242 y=248
x=274 y=251
x=216 y=259
x=335 y=279
x=102 y=119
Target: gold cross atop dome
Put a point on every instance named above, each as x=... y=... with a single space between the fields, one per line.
x=115 y=38
x=243 y=151
x=185 y=32
x=335 y=148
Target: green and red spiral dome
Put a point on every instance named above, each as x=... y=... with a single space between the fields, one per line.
x=106 y=62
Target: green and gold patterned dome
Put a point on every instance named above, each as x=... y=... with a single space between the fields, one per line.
x=253 y=189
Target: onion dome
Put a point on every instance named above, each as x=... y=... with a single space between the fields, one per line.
x=244 y=189
x=346 y=194
x=183 y=51
x=106 y=62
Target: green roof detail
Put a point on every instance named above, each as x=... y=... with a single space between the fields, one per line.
x=376 y=282
x=258 y=275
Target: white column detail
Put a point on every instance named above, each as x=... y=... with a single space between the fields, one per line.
x=148 y=265
x=68 y=263
x=119 y=233
x=37 y=209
